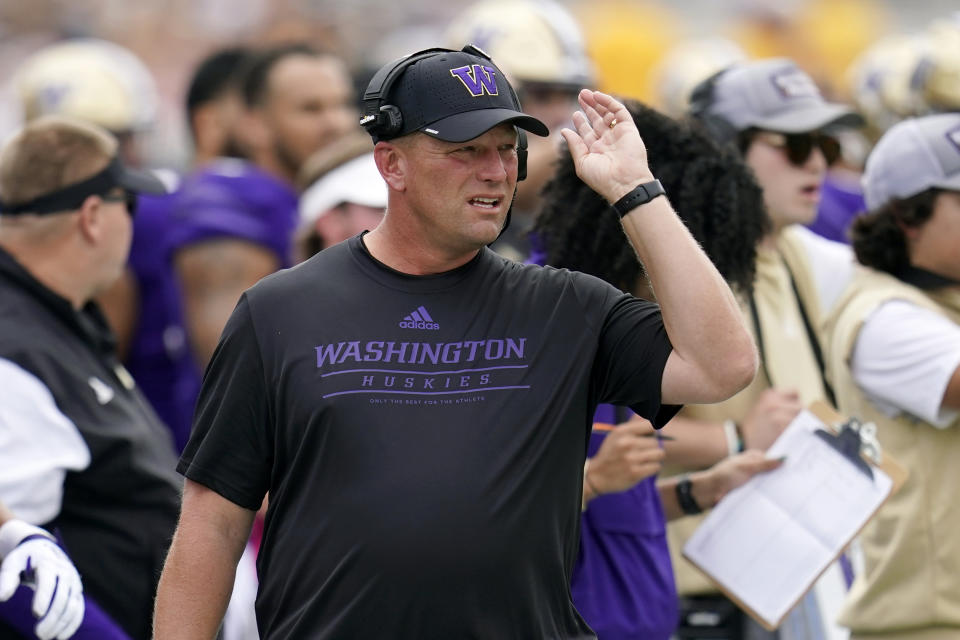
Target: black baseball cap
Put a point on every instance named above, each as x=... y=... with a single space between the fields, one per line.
x=456 y=96
x=70 y=197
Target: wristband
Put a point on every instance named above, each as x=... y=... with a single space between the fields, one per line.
x=641 y=194
x=593 y=489
x=734 y=441
x=685 y=497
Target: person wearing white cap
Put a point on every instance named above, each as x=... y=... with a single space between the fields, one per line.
x=346 y=200
x=893 y=351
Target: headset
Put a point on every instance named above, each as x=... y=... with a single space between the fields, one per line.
x=720 y=129
x=384 y=121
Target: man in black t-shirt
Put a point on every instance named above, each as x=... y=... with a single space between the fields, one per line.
x=417 y=407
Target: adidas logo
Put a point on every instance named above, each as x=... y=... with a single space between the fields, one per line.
x=419 y=319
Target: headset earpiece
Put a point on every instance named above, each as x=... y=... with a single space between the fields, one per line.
x=382 y=120
x=389 y=120
x=521 y=154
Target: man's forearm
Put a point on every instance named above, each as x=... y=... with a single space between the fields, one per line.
x=198 y=575
x=701 y=315
x=193 y=594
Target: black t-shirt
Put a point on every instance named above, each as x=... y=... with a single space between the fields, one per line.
x=422 y=440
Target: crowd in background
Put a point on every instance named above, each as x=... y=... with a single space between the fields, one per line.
x=170 y=36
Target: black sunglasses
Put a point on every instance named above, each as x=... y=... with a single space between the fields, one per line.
x=799 y=146
x=129 y=198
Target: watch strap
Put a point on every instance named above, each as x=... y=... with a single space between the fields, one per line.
x=685 y=497
x=641 y=194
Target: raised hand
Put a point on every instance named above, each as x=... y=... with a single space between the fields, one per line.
x=730 y=473
x=606 y=147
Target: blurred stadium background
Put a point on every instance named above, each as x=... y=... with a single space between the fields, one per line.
x=632 y=42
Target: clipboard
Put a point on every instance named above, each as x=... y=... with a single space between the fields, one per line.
x=767 y=542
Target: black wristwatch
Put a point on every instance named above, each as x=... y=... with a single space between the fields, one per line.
x=685 y=497
x=641 y=194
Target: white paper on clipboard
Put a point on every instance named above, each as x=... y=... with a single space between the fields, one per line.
x=767 y=542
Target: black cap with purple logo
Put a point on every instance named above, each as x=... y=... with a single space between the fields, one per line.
x=450 y=95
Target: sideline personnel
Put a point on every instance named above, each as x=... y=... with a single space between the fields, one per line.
x=84 y=456
x=419 y=395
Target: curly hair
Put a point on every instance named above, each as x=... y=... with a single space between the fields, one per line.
x=711 y=189
x=877 y=236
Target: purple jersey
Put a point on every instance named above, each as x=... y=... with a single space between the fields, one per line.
x=623 y=581
x=841 y=200
x=159 y=357
x=17 y=620
x=229 y=198
x=233 y=198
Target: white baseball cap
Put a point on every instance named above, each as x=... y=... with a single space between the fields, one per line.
x=357 y=181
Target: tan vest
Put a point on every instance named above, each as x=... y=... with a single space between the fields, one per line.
x=788 y=359
x=911 y=584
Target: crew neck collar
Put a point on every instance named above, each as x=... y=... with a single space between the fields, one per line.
x=392 y=278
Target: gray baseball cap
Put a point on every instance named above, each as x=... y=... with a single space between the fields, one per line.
x=913 y=156
x=775 y=95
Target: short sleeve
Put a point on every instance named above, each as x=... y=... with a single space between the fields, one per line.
x=632 y=355
x=231 y=447
x=904 y=358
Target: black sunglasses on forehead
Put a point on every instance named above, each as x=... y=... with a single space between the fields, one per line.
x=799 y=146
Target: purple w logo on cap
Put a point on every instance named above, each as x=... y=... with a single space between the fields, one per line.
x=477 y=78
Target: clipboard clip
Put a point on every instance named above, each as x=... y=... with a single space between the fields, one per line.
x=853 y=440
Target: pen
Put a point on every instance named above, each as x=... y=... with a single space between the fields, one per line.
x=603 y=426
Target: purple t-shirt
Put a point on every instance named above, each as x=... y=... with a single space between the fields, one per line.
x=159 y=358
x=841 y=200
x=229 y=198
x=623 y=580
